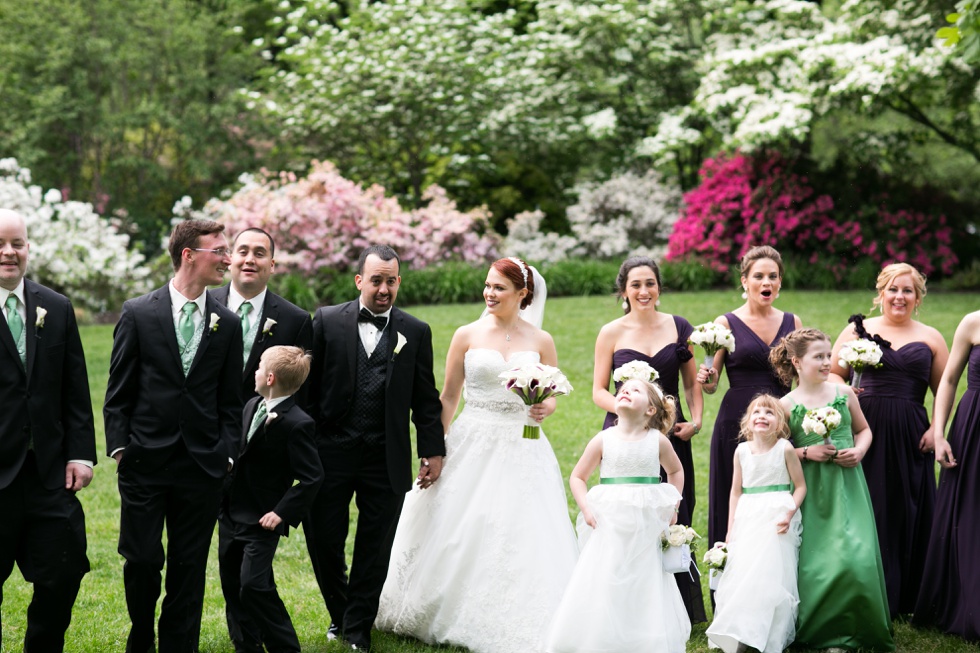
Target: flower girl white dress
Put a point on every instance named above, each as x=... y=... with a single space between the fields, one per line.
x=481 y=559
x=620 y=600
x=757 y=598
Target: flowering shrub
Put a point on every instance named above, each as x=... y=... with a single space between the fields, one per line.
x=324 y=221
x=73 y=249
x=629 y=214
x=746 y=201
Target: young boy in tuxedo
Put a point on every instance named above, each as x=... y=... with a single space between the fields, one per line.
x=272 y=486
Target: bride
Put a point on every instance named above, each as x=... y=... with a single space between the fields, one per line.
x=481 y=559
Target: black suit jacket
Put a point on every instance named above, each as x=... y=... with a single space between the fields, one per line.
x=48 y=398
x=281 y=452
x=409 y=386
x=293 y=327
x=150 y=407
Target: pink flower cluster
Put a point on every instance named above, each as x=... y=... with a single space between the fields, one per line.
x=324 y=221
x=745 y=201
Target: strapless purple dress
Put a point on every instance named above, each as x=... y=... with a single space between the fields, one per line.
x=668 y=363
x=749 y=374
x=948 y=598
x=901 y=479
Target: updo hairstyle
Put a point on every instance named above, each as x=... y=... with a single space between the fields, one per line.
x=515 y=270
x=794 y=345
x=759 y=253
x=891 y=272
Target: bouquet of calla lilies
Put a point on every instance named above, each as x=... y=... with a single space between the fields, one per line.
x=534 y=383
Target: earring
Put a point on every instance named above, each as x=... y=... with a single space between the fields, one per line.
x=777 y=295
x=626 y=305
x=656 y=303
x=745 y=295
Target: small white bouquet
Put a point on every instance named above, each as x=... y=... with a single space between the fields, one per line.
x=534 y=383
x=638 y=370
x=859 y=355
x=821 y=421
x=677 y=542
x=715 y=558
x=711 y=337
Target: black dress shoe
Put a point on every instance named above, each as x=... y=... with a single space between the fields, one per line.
x=358 y=641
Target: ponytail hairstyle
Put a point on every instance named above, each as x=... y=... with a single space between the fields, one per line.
x=665 y=408
x=770 y=402
x=794 y=345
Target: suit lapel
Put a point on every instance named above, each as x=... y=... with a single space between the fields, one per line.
x=165 y=318
x=8 y=340
x=210 y=306
x=353 y=335
x=32 y=297
x=270 y=310
x=280 y=411
x=394 y=328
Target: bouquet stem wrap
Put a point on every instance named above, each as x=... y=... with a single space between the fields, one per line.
x=534 y=383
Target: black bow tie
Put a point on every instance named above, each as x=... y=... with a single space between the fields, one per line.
x=365 y=315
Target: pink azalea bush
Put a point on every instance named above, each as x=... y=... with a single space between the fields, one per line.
x=744 y=201
x=323 y=221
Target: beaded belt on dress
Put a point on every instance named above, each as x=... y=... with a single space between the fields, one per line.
x=759 y=489
x=496 y=406
x=635 y=480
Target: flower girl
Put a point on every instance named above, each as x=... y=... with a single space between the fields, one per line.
x=757 y=597
x=619 y=598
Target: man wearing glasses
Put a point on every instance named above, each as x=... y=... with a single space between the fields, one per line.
x=172 y=422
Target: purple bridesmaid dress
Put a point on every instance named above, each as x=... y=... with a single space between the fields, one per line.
x=948 y=598
x=749 y=374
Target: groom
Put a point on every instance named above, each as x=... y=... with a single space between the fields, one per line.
x=372 y=367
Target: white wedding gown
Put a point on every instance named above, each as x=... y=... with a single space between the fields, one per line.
x=481 y=559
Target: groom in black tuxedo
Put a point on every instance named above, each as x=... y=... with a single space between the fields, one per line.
x=47 y=442
x=173 y=412
x=267 y=319
x=372 y=368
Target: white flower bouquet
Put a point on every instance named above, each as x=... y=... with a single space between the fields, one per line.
x=715 y=558
x=711 y=337
x=639 y=370
x=859 y=355
x=677 y=542
x=534 y=383
x=821 y=421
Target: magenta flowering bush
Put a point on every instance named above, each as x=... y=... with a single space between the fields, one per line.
x=323 y=221
x=744 y=201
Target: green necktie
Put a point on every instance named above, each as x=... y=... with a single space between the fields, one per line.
x=243 y=312
x=260 y=414
x=186 y=323
x=14 y=320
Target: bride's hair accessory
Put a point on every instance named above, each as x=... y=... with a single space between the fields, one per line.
x=521 y=265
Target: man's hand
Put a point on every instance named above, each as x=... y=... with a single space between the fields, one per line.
x=429 y=471
x=270 y=521
x=78 y=476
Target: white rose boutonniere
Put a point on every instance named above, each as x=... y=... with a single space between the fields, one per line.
x=214 y=322
x=267 y=327
x=41 y=312
x=401 y=342
x=273 y=415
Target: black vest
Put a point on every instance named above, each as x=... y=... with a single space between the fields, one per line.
x=365 y=421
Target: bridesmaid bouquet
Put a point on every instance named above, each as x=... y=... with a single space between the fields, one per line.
x=715 y=558
x=676 y=543
x=534 y=383
x=859 y=355
x=639 y=370
x=821 y=421
x=711 y=337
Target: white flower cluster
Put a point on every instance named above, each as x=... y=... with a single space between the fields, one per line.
x=860 y=354
x=678 y=535
x=637 y=369
x=535 y=382
x=716 y=556
x=712 y=337
x=821 y=421
x=73 y=249
x=626 y=215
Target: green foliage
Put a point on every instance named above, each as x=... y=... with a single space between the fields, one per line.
x=963 y=33
x=965 y=279
x=688 y=275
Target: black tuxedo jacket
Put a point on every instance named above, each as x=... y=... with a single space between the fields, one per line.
x=48 y=398
x=150 y=407
x=281 y=452
x=293 y=327
x=409 y=386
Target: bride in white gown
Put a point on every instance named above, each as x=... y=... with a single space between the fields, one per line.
x=481 y=558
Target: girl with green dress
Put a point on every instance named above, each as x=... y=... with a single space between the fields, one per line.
x=843 y=603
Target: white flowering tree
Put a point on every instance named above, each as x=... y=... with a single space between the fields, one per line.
x=73 y=249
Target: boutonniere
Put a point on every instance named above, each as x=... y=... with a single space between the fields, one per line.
x=267 y=327
x=399 y=344
x=271 y=417
x=213 y=326
x=41 y=312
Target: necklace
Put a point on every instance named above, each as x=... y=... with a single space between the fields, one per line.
x=507 y=333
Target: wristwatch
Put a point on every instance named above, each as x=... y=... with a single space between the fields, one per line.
x=697 y=428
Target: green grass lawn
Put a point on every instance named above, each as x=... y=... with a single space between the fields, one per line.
x=100 y=620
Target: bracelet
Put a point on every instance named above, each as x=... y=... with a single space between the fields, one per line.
x=697 y=427
x=804 y=452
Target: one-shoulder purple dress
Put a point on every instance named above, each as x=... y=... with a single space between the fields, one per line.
x=948 y=598
x=749 y=374
x=901 y=479
x=668 y=363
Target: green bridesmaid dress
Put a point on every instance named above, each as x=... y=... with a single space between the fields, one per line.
x=843 y=602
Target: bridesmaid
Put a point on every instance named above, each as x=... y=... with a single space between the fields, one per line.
x=899 y=467
x=757 y=326
x=947 y=598
x=660 y=340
